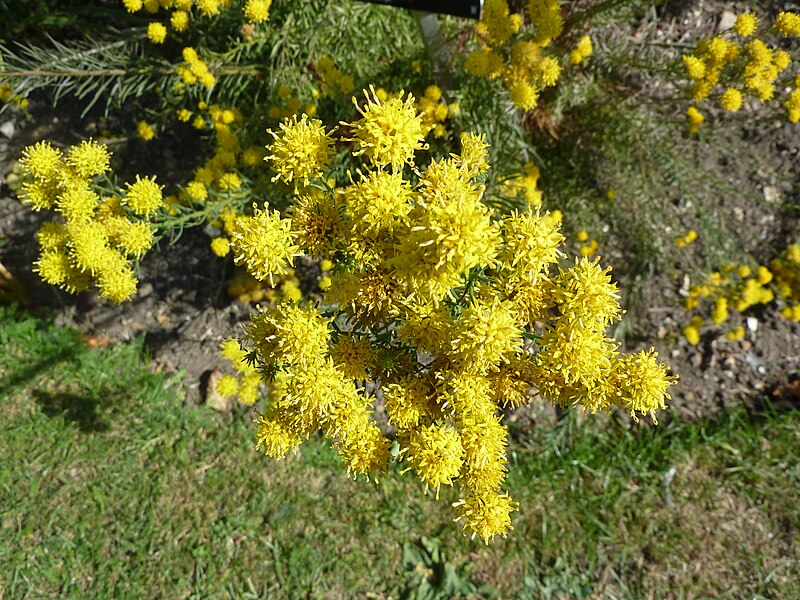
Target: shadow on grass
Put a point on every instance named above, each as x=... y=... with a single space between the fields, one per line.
x=38 y=368
x=81 y=410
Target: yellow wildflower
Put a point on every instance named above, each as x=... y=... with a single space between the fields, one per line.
x=145 y=131
x=144 y=196
x=746 y=24
x=389 y=132
x=257 y=11
x=264 y=243
x=301 y=150
x=731 y=100
x=156 y=32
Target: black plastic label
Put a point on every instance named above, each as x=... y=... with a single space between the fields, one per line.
x=460 y=8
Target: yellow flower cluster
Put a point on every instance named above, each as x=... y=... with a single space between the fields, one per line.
x=434 y=110
x=522 y=65
x=145 y=131
x=389 y=133
x=301 y=151
x=583 y=50
x=786 y=270
x=219 y=175
x=288 y=105
x=588 y=246
x=245 y=384
x=264 y=243
x=333 y=81
x=254 y=11
x=438 y=295
x=696 y=119
x=736 y=68
x=94 y=238
x=195 y=70
x=684 y=240
x=246 y=288
x=788 y=24
x=157 y=33
x=257 y=11
x=7 y=96
x=525 y=186
x=738 y=287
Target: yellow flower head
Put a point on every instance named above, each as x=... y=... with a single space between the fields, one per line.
x=208 y=7
x=135 y=238
x=389 y=132
x=77 y=202
x=221 y=246
x=484 y=63
x=301 y=151
x=788 y=24
x=497 y=23
x=229 y=182
x=143 y=196
x=406 y=402
x=227 y=386
x=52 y=236
x=157 y=33
x=117 y=284
x=353 y=356
x=584 y=293
x=40 y=194
x=232 y=351
x=132 y=6
x=41 y=160
x=451 y=232
x=524 y=95
x=378 y=202
x=264 y=243
x=485 y=335
x=584 y=46
x=53 y=266
x=731 y=100
x=145 y=131
x=487 y=515
x=643 y=383
x=88 y=159
x=525 y=54
x=474 y=153
x=433 y=92
x=695 y=67
x=530 y=243
x=257 y=11
x=248 y=389
x=179 y=20
x=275 y=437
x=319 y=222
x=288 y=334
x=90 y=250
x=197 y=190
x=574 y=365
x=692 y=334
x=696 y=119
x=546 y=18
x=746 y=24
x=436 y=454
x=485 y=458
x=547 y=71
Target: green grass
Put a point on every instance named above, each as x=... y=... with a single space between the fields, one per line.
x=113 y=487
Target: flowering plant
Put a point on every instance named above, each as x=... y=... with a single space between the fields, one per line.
x=445 y=309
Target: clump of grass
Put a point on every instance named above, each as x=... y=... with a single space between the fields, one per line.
x=112 y=486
